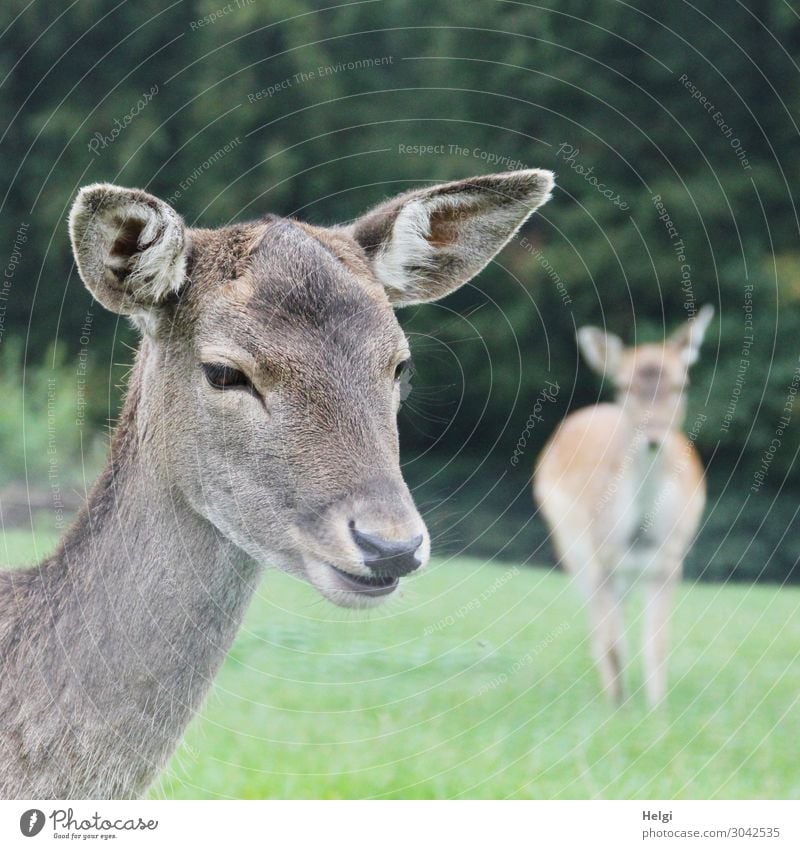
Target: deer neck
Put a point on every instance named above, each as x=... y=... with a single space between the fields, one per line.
x=127 y=623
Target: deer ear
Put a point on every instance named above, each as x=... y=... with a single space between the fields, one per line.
x=689 y=337
x=427 y=243
x=600 y=349
x=130 y=247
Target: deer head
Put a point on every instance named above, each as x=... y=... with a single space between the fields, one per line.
x=650 y=380
x=269 y=370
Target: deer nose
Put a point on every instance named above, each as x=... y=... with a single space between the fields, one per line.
x=387 y=558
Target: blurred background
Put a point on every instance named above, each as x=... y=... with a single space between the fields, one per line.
x=673 y=134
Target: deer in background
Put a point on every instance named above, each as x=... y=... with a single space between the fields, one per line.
x=622 y=490
x=259 y=429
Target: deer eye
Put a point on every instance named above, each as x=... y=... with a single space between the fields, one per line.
x=222 y=376
x=405 y=368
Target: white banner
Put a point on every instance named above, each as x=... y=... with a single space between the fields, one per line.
x=403 y=825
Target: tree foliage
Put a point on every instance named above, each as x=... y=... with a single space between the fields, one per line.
x=310 y=110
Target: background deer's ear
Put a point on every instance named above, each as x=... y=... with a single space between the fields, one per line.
x=689 y=337
x=601 y=350
x=130 y=247
x=427 y=243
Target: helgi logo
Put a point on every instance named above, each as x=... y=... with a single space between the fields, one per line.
x=31 y=822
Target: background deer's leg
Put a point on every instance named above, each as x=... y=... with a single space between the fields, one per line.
x=659 y=595
x=608 y=636
x=579 y=555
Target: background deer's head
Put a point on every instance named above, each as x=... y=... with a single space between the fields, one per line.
x=650 y=380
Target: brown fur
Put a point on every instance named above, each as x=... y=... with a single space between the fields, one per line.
x=109 y=646
x=623 y=490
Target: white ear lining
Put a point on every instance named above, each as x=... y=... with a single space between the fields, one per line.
x=408 y=240
x=437 y=239
x=697 y=326
x=409 y=245
x=158 y=270
x=600 y=350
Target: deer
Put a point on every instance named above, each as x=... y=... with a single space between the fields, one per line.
x=258 y=430
x=622 y=491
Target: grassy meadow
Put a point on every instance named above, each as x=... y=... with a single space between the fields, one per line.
x=477 y=682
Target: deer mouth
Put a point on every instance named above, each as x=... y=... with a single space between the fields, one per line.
x=369 y=586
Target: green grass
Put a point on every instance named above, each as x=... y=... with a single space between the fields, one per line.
x=478 y=683
x=49 y=428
